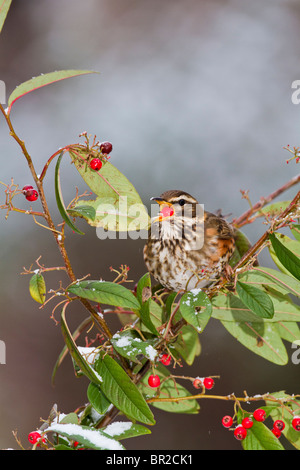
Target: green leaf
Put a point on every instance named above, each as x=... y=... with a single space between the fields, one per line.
x=289 y=331
x=275 y=208
x=63 y=447
x=59 y=198
x=97 y=398
x=74 y=351
x=129 y=344
x=143 y=289
x=90 y=438
x=86 y=322
x=69 y=418
x=86 y=212
x=150 y=313
x=261 y=338
x=242 y=245
x=122 y=392
x=256 y=300
x=118 y=206
x=284 y=413
x=145 y=316
x=196 y=309
x=4 y=7
x=169 y=389
x=155 y=314
x=108 y=293
x=288 y=259
x=169 y=304
x=37 y=288
x=41 y=81
x=296 y=231
x=123 y=430
x=268 y=277
x=187 y=344
x=230 y=308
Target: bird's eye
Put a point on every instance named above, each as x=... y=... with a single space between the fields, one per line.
x=181 y=202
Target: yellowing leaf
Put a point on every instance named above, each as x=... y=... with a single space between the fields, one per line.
x=37 y=288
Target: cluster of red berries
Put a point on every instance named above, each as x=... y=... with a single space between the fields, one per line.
x=165 y=359
x=240 y=432
x=154 y=380
x=30 y=193
x=206 y=382
x=96 y=163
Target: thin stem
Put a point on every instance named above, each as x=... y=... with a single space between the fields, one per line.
x=27 y=212
x=170 y=320
x=244 y=218
x=43 y=174
x=231 y=397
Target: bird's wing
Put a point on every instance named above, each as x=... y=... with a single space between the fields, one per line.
x=217 y=226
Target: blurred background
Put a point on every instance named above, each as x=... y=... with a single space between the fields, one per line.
x=194 y=95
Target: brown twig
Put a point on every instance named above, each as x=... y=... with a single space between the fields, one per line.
x=245 y=217
x=231 y=397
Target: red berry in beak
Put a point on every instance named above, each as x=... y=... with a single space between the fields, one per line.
x=166 y=211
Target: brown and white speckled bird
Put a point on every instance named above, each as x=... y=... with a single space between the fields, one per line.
x=187 y=247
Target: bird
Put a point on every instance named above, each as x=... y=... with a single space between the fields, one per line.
x=187 y=248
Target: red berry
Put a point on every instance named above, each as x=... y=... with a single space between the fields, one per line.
x=34 y=437
x=31 y=195
x=240 y=432
x=167 y=211
x=154 y=381
x=96 y=164
x=208 y=383
x=165 y=359
x=247 y=423
x=106 y=147
x=296 y=423
x=276 y=432
x=27 y=187
x=227 y=421
x=259 y=414
x=197 y=383
x=279 y=424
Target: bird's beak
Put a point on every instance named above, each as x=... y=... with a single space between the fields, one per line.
x=165 y=209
